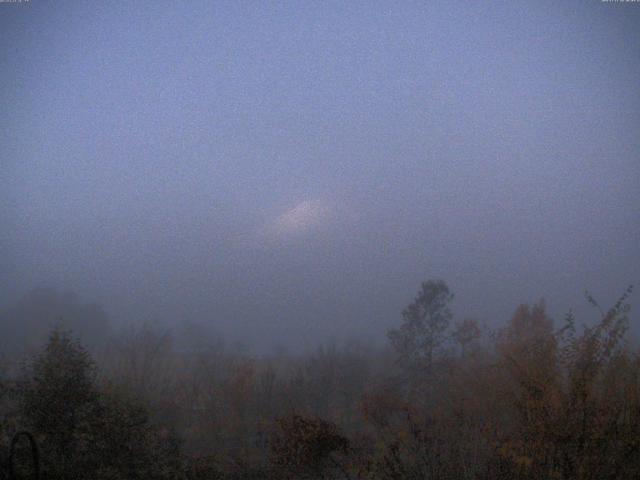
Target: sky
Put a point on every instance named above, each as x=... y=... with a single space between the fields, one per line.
x=289 y=172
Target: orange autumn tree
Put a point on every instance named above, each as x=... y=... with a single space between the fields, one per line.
x=573 y=398
x=528 y=354
x=600 y=419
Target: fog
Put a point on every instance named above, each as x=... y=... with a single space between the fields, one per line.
x=288 y=173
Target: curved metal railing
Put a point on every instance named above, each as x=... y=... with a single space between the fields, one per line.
x=35 y=455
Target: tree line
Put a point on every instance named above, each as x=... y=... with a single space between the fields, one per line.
x=446 y=399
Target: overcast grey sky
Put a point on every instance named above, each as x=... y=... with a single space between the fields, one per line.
x=290 y=171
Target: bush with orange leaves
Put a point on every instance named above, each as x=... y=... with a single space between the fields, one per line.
x=575 y=401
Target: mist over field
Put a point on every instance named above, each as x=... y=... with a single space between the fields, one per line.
x=290 y=173
x=275 y=182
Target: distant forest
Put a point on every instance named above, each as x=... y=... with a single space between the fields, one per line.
x=446 y=398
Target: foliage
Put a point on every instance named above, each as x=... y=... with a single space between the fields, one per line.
x=83 y=430
x=425 y=322
x=466 y=333
x=575 y=398
x=530 y=402
x=306 y=447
